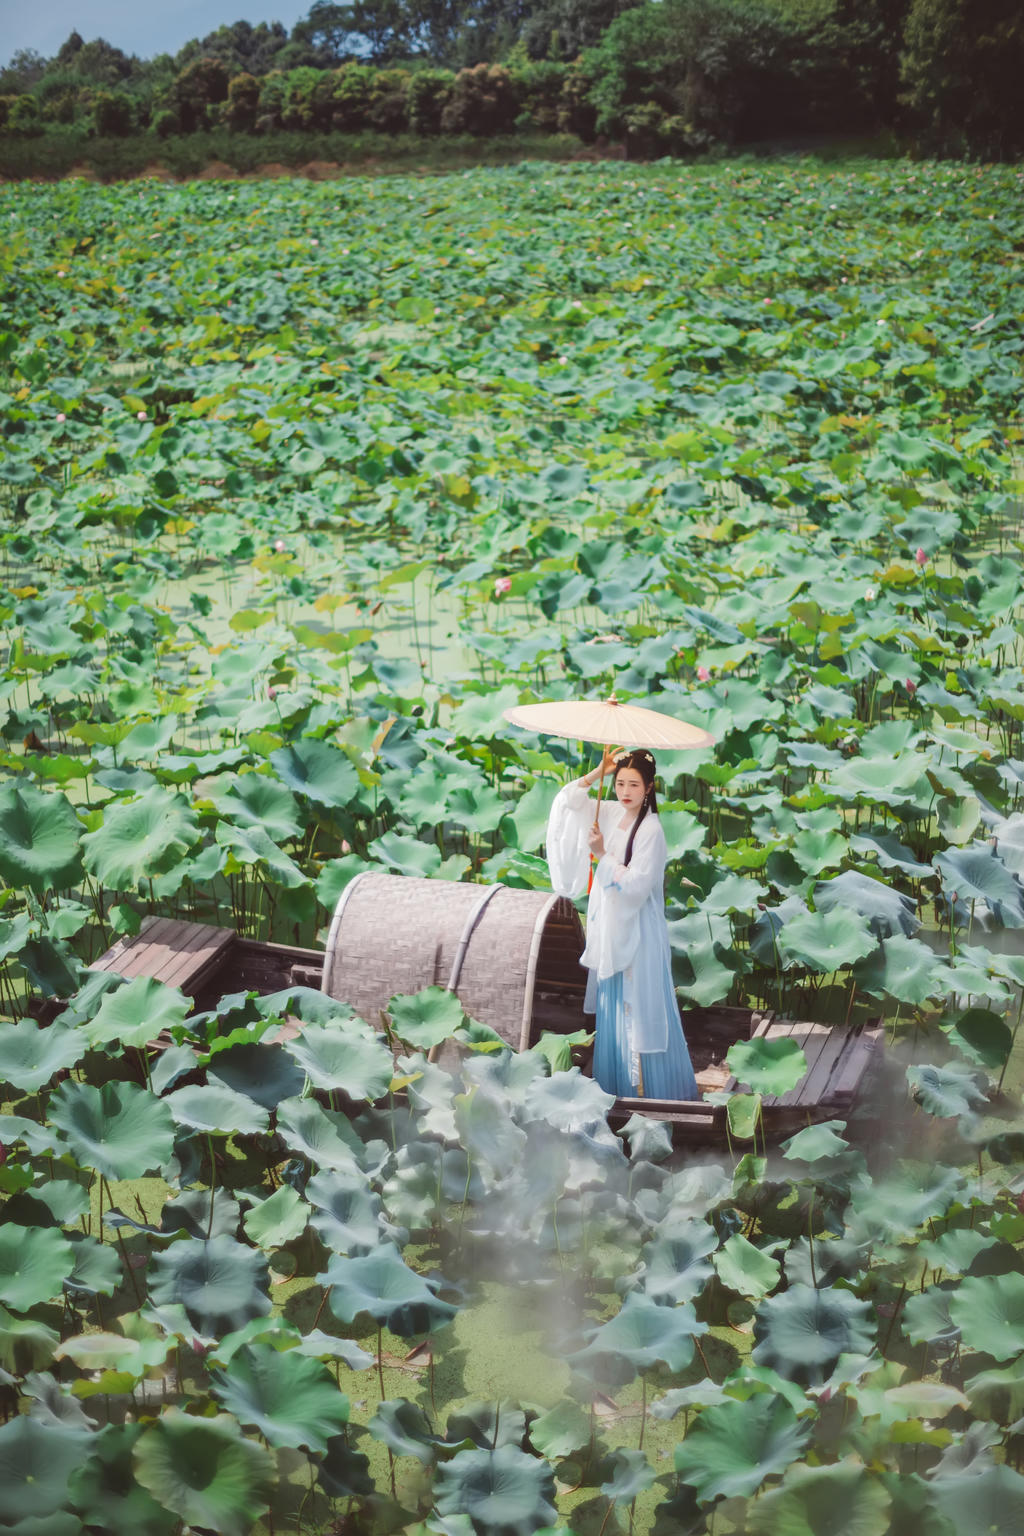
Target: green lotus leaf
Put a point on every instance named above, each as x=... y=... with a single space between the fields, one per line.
x=215 y=1109
x=982 y=1036
x=405 y=1429
x=887 y=910
x=641 y=1334
x=30 y=1056
x=487 y=1130
x=137 y=1013
x=529 y=819
x=220 y=1283
x=503 y=1490
x=956 y=1250
x=426 y=1018
x=327 y=1346
x=840 y=1500
x=883 y=780
x=322 y=1135
x=140 y=839
x=989 y=1311
x=976 y=873
x=201 y=1213
x=815 y=851
x=344 y=1472
x=346 y=1214
x=926 y=1317
x=626 y=1473
x=34 y=1263
x=407 y=855
x=742 y=1267
x=260 y=1070
x=978 y=1503
x=277 y=1220
x=115 y=1352
x=947 y=1091
x=825 y=941
x=105 y=1490
x=904 y=969
x=252 y=845
x=732 y=1448
x=97 y=1268
x=802 y=1332
x=649 y=1140
x=767 y=1065
x=675 y=1264
x=36 y=1461
x=205 y=1471
x=890 y=1208
x=317 y=770
x=257 y=800
x=708 y=963
x=345 y=1055
x=381 y=1285
x=290 y=1399
x=560 y=1431
x=998 y=1394
x=39 y=839
x=120 y=1130
x=487 y=1425
x=25 y=1343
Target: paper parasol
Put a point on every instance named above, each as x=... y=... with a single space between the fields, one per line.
x=609 y=722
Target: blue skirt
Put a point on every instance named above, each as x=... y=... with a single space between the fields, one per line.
x=667 y=1074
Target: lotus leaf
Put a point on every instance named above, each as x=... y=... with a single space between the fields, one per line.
x=34 y=1263
x=252 y=845
x=204 y=1471
x=744 y=1268
x=976 y=873
x=979 y=1502
x=733 y=1447
x=120 y=1130
x=487 y=1425
x=802 y=1332
x=641 y=1334
x=926 y=1317
x=982 y=1036
x=381 y=1285
x=825 y=941
x=344 y=1472
x=137 y=1013
x=317 y=770
x=345 y=1055
x=30 y=1056
x=426 y=1018
x=887 y=910
x=261 y=1071
x=346 y=1214
x=39 y=839
x=627 y=1473
x=25 y=1343
x=676 y=1264
x=560 y=1431
x=767 y=1064
x=290 y=1399
x=904 y=969
x=36 y=1461
x=105 y=1490
x=405 y=1430
x=840 y=1500
x=279 y=1219
x=946 y=1091
x=97 y=1268
x=257 y=800
x=220 y=1283
x=213 y=1108
x=140 y=839
x=500 y=1490
x=989 y=1311
x=323 y=1136
x=201 y=1213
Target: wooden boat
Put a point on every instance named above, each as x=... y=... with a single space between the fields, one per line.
x=531 y=941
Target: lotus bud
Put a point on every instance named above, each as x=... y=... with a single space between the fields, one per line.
x=61 y=417
x=346 y=846
x=703 y=675
x=502 y=585
x=911 y=686
x=279 y=546
x=140 y=415
x=870 y=595
x=920 y=557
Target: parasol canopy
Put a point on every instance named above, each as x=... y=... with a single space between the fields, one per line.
x=606 y=721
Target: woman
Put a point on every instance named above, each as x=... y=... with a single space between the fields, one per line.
x=640 y=1045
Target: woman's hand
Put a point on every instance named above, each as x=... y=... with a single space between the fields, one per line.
x=596 y=842
x=606 y=769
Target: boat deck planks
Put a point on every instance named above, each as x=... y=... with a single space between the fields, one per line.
x=170 y=950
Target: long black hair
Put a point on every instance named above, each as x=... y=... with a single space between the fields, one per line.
x=642 y=762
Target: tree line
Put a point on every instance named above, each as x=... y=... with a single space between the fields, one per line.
x=665 y=76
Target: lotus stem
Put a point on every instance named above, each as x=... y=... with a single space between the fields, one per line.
x=703 y=1358
x=895 y=1315
x=320 y=1308
x=380 y=1373
x=643 y=1410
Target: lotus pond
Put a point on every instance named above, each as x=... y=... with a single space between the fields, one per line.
x=301 y=486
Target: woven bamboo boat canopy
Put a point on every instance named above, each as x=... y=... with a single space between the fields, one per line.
x=510 y=956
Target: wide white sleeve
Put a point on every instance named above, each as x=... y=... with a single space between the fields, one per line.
x=632 y=883
x=569 y=823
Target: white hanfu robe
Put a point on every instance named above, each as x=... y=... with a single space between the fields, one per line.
x=627 y=935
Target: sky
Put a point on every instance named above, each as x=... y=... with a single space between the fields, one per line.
x=144 y=27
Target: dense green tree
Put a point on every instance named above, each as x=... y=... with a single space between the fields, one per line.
x=25 y=69
x=242 y=48
x=113 y=114
x=559 y=29
x=426 y=98
x=243 y=103
x=200 y=86
x=963 y=67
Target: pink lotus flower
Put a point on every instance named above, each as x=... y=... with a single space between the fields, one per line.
x=502 y=585
x=911 y=686
x=346 y=846
x=141 y=415
x=920 y=557
x=703 y=675
x=279 y=546
x=61 y=417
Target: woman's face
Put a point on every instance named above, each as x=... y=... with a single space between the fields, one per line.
x=629 y=789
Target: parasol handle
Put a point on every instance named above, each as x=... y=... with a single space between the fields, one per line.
x=597 y=813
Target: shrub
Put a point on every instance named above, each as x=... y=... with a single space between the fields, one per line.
x=483 y=100
x=23 y=116
x=427 y=96
x=164 y=123
x=113 y=114
x=200 y=86
x=538 y=88
x=352 y=96
x=6 y=102
x=962 y=69
x=389 y=108
x=242 y=103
